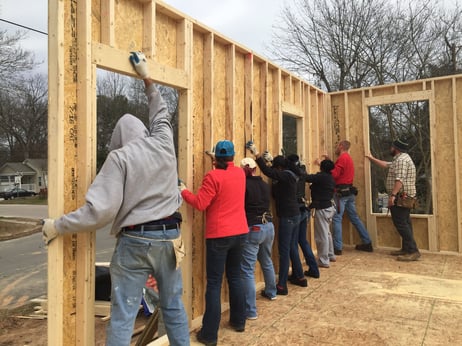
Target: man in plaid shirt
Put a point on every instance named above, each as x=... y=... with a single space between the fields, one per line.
x=401 y=179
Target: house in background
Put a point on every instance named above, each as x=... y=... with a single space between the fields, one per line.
x=31 y=174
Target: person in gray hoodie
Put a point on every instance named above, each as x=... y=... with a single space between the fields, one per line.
x=137 y=191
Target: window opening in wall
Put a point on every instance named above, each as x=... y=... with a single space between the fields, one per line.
x=409 y=121
x=117 y=95
x=289 y=134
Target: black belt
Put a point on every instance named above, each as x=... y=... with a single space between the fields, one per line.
x=148 y=228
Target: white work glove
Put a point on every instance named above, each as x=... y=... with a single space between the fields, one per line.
x=210 y=154
x=181 y=185
x=49 y=231
x=252 y=147
x=140 y=64
x=267 y=156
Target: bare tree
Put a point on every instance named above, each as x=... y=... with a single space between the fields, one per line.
x=23 y=118
x=13 y=59
x=342 y=44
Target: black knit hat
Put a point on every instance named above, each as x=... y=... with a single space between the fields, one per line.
x=279 y=161
x=400 y=145
x=327 y=165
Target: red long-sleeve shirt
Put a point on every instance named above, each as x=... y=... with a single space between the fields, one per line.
x=344 y=171
x=222 y=196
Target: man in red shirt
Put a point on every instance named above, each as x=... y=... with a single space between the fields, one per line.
x=345 y=196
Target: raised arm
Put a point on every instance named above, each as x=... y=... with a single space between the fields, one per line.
x=380 y=163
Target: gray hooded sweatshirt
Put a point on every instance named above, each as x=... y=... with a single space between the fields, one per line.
x=138 y=181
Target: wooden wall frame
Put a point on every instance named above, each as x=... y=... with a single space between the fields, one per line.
x=225 y=91
x=442 y=230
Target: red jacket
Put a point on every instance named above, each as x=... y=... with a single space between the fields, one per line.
x=222 y=196
x=344 y=171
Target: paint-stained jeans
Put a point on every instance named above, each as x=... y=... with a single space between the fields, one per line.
x=138 y=254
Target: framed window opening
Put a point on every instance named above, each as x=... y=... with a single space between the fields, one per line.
x=409 y=121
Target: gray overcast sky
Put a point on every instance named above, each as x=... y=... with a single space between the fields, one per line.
x=247 y=22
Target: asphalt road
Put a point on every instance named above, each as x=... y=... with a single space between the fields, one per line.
x=23 y=261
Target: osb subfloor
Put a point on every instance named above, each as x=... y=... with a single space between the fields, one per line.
x=363 y=299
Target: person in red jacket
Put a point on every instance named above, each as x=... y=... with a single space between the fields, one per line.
x=222 y=196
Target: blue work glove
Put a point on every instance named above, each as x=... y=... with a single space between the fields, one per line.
x=251 y=146
x=139 y=62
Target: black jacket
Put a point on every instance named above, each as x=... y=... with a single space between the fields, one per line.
x=322 y=189
x=284 y=189
x=257 y=199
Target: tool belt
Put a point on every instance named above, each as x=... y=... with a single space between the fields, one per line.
x=170 y=222
x=405 y=201
x=345 y=190
x=261 y=219
x=266 y=217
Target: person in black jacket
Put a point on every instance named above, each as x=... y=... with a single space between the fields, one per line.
x=322 y=193
x=310 y=259
x=259 y=242
x=284 y=193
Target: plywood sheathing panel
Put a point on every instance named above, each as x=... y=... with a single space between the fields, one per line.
x=201 y=118
x=337 y=110
x=355 y=134
x=128 y=22
x=166 y=45
x=457 y=114
x=230 y=127
x=219 y=92
x=99 y=9
x=239 y=100
x=386 y=233
x=444 y=145
x=257 y=104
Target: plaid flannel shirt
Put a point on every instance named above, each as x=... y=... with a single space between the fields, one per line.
x=402 y=168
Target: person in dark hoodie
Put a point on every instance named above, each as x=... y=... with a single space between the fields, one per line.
x=284 y=193
x=322 y=194
x=310 y=259
x=137 y=191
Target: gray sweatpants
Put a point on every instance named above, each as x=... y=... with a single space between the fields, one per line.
x=322 y=235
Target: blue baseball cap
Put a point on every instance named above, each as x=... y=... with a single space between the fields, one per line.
x=224 y=148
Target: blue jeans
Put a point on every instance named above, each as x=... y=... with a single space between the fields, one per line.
x=288 y=249
x=259 y=245
x=402 y=220
x=138 y=254
x=347 y=204
x=305 y=245
x=223 y=254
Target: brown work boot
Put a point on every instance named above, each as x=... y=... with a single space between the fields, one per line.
x=398 y=253
x=409 y=257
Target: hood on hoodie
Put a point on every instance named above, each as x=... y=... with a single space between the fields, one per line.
x=128 y=127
